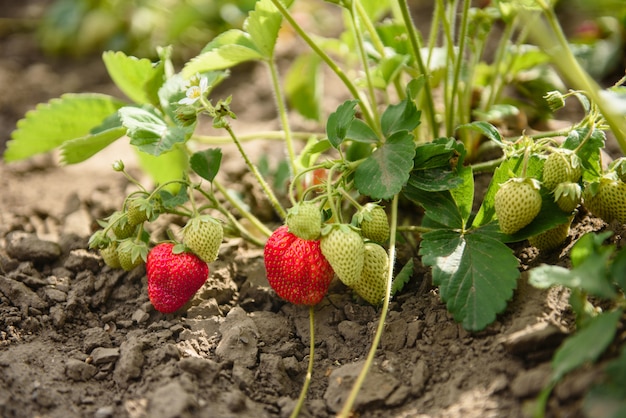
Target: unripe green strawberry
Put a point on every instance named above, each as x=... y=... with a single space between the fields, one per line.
x=552 y=238
x=567 y=196
x=619 y=168
x=137 y=211
x=131 y=253
x=606 y=199
x=122 y=229
x=304 y=220
x=517 y=203
x=374 y=223
x=109 y=255
x=203 y=235
x=344 y=249
x=561 y=166
x=372 y=285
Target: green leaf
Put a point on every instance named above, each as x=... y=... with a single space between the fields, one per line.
x=435 y=165
x=360 y=131
x=339 y=122
x=79 y=149
x=441 y=209
x=485 y=128
x=386 y=171
x=608 y=398
x=403 y=116
x=226 y=50
x=263 y=24
x=206 y=163
x=165 y=167
x=589 y=152
x=149 y=132
x=69 y=117
x=476 y=274
x=171 y=201
x=586 y=345
x=403 y=277
x=134 y=77
x=303 y=86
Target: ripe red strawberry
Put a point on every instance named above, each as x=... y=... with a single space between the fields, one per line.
x=372 y=284
x=203 y=235
x=344 y=249
x=305 y=220
x=173 y=279
x=374 y=223
x=517 y=203
x=296 y=268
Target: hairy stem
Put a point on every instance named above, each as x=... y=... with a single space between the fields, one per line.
x=347 y=407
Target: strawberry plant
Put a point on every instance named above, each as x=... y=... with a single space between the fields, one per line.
x=418 y=116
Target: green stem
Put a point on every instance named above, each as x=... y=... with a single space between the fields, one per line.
x=416 y=45
x=282 y=113
x=365 y=109
x=266 y=135
x=460 y=57
x=309 y=372
x=244 y=212
x=255 y=171
x=363 y=56
x=347 y=407
x=570 y=68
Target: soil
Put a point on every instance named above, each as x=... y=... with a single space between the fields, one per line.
x=78 y=339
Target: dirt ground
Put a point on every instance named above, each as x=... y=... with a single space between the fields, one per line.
x=78 y=339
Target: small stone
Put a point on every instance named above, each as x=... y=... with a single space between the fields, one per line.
x=79 y=370
x=24 y=246
x=530 y=382
x=140 y=316
x=20 y=295
x=55 y=295
x=81 y=259
x=104 y=412
x=101 y=355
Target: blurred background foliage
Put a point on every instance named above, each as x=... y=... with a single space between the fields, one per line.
x=137 y=27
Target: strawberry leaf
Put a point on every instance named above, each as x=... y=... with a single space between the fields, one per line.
x=476 y=273
x=386 y=171
x=403 y=277
x=48 y=126
x=485 y=128
x=206 y=163
x=165 y=167
x=149 y=132
x=441 y=209
x=225 y=51
x=403 y=116
x=302 y=86
x=79 y=149
x=263 y=24
x=589 y=151
x=586 y=345
x=339 y=122
x=135 y=77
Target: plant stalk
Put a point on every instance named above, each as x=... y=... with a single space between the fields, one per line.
x=255 y=171
x=347 y=407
